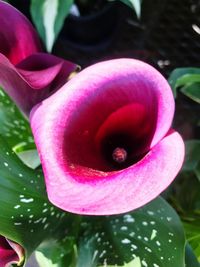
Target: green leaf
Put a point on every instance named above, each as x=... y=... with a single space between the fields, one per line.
x=134 y=263
x=188 y=79
x=192 y=156
x=197 y=171
x=185 y=191
x=14 y=126
x=49 y=16
x=177 y=75
x=185 y=196
x=192 y=91
x=26 y=215
x=44 y=261
x=192 y=230
x=190 y=258
x=30 y=158
x=135 y=4
x=150 y=236
x=57 y=254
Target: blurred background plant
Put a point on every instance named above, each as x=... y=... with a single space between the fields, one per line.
x=49 y=15
x=184 y=194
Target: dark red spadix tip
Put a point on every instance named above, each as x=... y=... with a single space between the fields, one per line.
x=119 y=155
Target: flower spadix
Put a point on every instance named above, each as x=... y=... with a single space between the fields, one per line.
x=105 y=138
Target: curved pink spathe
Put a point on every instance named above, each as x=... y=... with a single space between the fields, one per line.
x=34 y=78
x=122 y=103
x=10 y=252
x=18 y=39
x=26 y=74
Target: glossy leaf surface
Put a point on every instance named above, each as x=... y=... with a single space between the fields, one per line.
x=150 y=236
x=49 y=16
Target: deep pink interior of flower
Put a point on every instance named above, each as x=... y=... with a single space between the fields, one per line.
x=117 y=116
x=37 y=62
x=18 y=39
x=5 y=49
x=4 y=244
x=7 y=254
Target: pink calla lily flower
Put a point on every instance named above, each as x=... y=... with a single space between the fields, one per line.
x=105 y=139
x=26 y=74
x=10 y=252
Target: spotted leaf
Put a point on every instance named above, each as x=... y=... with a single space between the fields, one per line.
x=26 y=216
x=152 y=236
x=15 y=128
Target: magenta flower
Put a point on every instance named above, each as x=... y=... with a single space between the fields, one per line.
x=10 y=252
x=26 y=74
x=105 y=140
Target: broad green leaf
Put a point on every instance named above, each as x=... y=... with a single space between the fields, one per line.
x=30 y=158
x=135 y=4
x=177 y=74
x=150 y=236
x=190 y=259
x=197 y=171
x=189 y=200
x=14 y=126
x=188 y=79
x=192 y=230
x=57 y=254
x=61 y=251
x=134 y=263
x=26 y=215
x=192 y=91
x=192 y=157
x=49 y=16
x=44 y=261
x=185 y=196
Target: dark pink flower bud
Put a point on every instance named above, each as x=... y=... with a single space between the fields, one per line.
x=26 y=74
x=18 y=38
